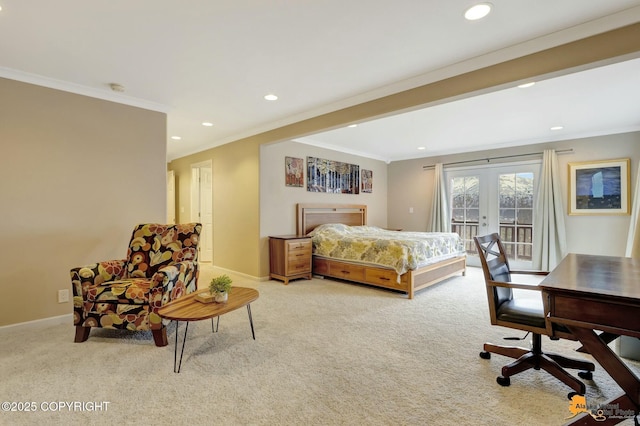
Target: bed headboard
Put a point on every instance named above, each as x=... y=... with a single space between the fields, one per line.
x=311 y=215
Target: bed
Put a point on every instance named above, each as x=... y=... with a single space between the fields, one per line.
x=409 y=277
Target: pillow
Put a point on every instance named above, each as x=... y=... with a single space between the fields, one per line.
x=340 y=228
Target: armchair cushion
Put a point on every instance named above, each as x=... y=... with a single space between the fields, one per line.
x=131 y=291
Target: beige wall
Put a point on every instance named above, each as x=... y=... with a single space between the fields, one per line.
x=413 y=186
x=77 y=174
x=278 y=202
x=238 y=235
x=236 y=209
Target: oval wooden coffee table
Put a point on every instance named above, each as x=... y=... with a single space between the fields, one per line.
x=187 y=309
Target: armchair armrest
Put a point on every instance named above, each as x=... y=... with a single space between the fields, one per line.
x=173 y=281
x=170 y=283
x=83 y=277
x=87 y=276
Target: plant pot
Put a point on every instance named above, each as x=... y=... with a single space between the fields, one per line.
x=221 y=297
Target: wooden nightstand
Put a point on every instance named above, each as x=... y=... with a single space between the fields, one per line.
x=289 y=257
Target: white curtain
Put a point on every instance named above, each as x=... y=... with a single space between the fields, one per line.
x=549 y=237
x=633 y=240
x=440 y=210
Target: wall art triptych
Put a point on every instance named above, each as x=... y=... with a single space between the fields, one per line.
x=327 y=176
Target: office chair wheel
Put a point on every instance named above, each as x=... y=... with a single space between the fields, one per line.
x=503 y=381
x=587 y=375
x=485 y=355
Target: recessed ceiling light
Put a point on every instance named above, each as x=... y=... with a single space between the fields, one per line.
x=525 y=85
x=352 y=125
x=207 y=124
x=176 y=138
x=557 y=128
x=270 y=97
x=422 y=148
x=478 y=11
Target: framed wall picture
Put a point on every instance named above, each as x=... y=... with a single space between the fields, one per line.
x=293 y=171
x=332 y=176
x=367 y=181
x=599 y=187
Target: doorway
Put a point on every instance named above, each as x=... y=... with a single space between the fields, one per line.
x=202 y=206
x=499 y=198
x=171 y=197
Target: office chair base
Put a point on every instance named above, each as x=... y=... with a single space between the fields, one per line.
x=503 y=381
x=526 y=359
x=587 y=375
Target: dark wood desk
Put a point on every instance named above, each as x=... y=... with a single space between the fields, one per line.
x=588 y=293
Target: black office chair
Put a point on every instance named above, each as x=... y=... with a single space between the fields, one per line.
x=527 y=314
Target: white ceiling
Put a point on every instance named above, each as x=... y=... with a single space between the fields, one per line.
x=599 y=101
x=214 y=60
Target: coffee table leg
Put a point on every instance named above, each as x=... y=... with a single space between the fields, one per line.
x=175 y=353
x=251 y=321
x=215 y=329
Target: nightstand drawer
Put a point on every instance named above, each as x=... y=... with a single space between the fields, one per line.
x=299 y=246
x=298 y=255
x=298 y=266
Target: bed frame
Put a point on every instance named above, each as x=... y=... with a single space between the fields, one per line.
x=309 y=216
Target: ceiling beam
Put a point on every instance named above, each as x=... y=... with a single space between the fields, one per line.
x=589 y=52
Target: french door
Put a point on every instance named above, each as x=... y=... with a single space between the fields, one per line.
x=500 y=198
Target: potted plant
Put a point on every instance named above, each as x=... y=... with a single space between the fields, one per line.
x=220 y=287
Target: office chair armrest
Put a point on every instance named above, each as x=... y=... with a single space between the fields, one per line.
x=542 y=273
x=521 y=286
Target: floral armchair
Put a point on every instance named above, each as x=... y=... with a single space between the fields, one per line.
x=161 y=265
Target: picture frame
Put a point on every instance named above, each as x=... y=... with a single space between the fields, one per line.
x=366 y=177
x=293 y=172
x=599 y=187
x=332 y=176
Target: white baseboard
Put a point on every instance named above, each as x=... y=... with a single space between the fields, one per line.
x=231 y=271
x=44 y=322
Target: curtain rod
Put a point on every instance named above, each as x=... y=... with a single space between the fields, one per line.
x=489 y=159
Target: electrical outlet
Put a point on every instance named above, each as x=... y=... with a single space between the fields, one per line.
x=63 y=296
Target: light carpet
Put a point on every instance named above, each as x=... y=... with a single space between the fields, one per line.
x=326 y=353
